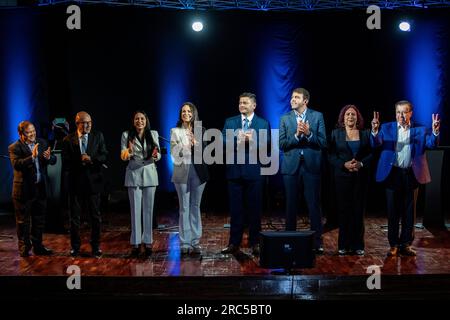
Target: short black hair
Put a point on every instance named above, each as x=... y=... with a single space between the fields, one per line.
x=249 y=95
x=402 y=102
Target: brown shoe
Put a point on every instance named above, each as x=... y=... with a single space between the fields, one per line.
x=230 y=249
x=408 y=251
x=393 y=252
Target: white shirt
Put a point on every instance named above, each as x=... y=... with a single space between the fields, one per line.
x=403 y=147
x=81 y=142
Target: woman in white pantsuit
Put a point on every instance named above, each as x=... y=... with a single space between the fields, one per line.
x=140 y=147
x=189 y=177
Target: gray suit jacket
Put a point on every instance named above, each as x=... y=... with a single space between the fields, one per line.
x=180 y=150
x=312 y=148
x=140 y=172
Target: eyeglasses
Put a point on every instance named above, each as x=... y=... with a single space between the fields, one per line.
x=84 y=122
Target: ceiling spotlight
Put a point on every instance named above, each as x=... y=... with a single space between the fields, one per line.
x=197 y=26
x=404 y=26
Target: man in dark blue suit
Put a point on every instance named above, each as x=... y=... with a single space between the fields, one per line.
x=245 y=139
x=302 y=139
x=30 y=157
x=402 y=167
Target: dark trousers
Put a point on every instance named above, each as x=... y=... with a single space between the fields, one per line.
x=30 y=219
x=401 y=197
x=245 y=196
x=351 y=192
x=91 y=202
x=311 y=185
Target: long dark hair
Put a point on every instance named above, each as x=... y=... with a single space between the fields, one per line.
x=194 y=114
x=359 y=118
x=132 y=133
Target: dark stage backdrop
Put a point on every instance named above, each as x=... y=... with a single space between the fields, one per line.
x=126 y=58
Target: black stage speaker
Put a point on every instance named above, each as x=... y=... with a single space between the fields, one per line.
x=287 y=249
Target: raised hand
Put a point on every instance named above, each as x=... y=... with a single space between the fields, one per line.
x=249 y=135
x=35 y=151
x=303 y=128
x=47 y=153
x=306 y=128
x=191 y=137
x=155 y=152
x=436 y=123
x=241 y=136
x=375 y=122
x=130 y=148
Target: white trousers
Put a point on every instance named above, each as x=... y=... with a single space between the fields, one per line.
x=142 y=200
x=190 y=220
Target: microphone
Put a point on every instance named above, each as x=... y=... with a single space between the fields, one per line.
x=164 y=139
x=3 y=156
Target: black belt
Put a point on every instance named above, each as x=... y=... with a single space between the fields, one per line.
x=405 y=170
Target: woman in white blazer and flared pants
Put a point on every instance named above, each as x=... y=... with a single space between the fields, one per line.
x=189 y=177
x=140 y=147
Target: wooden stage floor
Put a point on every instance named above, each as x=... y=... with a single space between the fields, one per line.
x=168 y=274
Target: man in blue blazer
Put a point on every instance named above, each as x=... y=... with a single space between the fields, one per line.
x=302 y=140
x=402 y=167
x=244 y=142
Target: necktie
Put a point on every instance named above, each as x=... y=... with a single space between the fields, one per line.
x=36 y=164
x=300 y=117
x=245 y=124
x=83 y=144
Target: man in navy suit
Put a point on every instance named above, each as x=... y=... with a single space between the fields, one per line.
x=244 y=142
x=402 y=167
x=302 y=139
x=30 y=157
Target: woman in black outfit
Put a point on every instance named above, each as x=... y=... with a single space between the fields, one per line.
x=350 y=155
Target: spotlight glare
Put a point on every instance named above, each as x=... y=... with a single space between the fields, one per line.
x=197 y=26
x=404 y=26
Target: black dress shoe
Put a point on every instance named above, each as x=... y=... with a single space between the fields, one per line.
x=230 y=249
x=42 y=251
x=135 y=252
x=408 y=251
x=96 y=252
x=148 y=252
x=255 y=250
x=75 y=252
x=25 y=253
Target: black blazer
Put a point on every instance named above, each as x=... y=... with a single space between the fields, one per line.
x=340 y=152
x=77 y=173
x=24 y=186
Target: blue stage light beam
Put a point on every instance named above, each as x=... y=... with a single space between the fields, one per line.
x=279 y=69
x=424 y=74
x=173 y=75
x=17 y=77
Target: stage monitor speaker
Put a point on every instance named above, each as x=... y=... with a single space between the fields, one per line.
x=287 y=249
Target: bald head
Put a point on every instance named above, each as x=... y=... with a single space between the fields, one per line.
x=84 y=122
